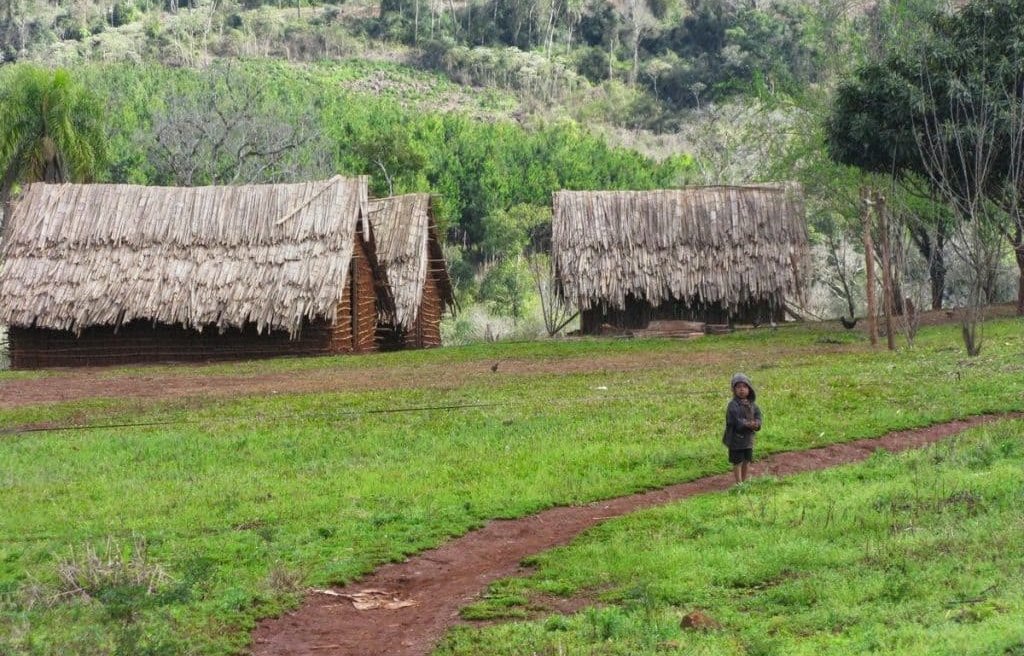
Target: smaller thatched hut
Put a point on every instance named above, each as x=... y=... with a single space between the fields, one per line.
x=410 y=253
x=710 y=254
x=102 y=274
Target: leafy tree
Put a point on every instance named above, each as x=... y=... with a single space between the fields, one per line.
x=51 y=129
x=505 y=287
x=949 y=109
x=599 y=23
x=507 y=233
x=724 y=49
x=386 y=147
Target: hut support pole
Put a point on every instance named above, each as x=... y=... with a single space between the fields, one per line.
x=869 y=265
x=887 y=286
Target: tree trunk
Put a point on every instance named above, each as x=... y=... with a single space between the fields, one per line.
x=1018 y=253
x=611 y=58
x=937 y=278
x=1020 y=282
x=887 y=285
x=932 y=252
x=635 y=72
x=869 y=266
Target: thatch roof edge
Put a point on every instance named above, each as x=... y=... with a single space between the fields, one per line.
x=271 y=255
x=714 y=244
x=410 y=252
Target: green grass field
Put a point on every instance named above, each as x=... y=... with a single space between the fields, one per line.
x=177 y=537
x=918 y=553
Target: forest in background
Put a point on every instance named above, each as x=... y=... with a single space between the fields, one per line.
x=495 y=104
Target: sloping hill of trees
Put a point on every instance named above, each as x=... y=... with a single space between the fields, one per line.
x=493 y=104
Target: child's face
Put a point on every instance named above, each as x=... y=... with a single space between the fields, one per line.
x=741 y=390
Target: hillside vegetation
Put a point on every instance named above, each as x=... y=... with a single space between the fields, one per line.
x=495 y=104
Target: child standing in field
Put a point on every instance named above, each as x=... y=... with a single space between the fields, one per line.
x=742 y=420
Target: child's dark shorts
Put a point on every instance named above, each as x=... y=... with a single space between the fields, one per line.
x=737 y=456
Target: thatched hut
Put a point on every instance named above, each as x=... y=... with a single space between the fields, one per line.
x=710 y=254
x=102 y=274
x=411 y=256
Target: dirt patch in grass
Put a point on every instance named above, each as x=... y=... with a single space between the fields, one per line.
x=441 y=581
x=191 y=383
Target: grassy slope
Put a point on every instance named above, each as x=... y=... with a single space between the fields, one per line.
x=911 y=554
x=252 y=499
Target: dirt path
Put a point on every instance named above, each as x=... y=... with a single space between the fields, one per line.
x=443 y=580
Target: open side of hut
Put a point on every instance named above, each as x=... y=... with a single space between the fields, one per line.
x=109 y=274
x=710 y=254
x=411 y=256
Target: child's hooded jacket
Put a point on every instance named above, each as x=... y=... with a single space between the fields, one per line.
x=738 y=436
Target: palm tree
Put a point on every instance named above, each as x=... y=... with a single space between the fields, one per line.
x=51 y=131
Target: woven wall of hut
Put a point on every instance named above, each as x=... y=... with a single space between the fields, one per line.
x=355 y=325
x=427 y=332
x=355 y=329
x=144 y=342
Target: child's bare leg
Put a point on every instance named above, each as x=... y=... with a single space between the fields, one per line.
x=744 y=470
x=737 y=472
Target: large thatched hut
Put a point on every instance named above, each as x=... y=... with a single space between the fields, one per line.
x=102 y=274
x=411 y=256
x=711 y=254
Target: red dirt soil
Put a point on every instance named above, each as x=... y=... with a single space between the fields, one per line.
x=443 y=580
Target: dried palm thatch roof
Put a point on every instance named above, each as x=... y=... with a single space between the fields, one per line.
x=407 y=246
x=86 y=255
x=725 y=245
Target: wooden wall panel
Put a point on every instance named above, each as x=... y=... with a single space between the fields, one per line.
x=142 y=342
x=365 y=301
x=341 y=331
x=428 y=321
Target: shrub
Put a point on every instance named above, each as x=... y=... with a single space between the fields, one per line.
x=93 y=574
x=123 y=13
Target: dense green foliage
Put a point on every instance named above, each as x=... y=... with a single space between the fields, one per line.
x=229 y=510
x=949 y=75
x=51 y=129
x=947 y=106
x=262 y=121
x=908 y=554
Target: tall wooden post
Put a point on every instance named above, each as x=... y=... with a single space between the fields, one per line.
x=869 y=265
x=887 y=291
